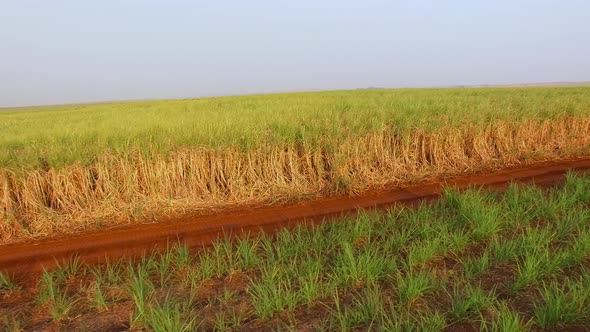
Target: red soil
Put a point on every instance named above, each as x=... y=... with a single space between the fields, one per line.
x=135 y=240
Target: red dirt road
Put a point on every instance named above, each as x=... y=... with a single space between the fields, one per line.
x=131 y=241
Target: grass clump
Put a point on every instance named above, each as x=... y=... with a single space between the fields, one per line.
x=469 y=302
x=6 y=283
x=414 y=285
x=563 y=304
x=168 y=317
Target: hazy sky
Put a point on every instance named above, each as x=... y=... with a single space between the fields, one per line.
x=74 y=51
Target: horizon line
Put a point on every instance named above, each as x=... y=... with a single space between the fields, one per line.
x=452 y=86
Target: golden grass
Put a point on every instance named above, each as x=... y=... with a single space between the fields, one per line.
x=117 y=189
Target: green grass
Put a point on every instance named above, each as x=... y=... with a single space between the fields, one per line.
x=169 y=317
x=97 y=297
x=474 y=266
x=506 y=320
x=414 y=285
x=6 y=283
x=469 y=302
x=471 y=259
x=139 y=288
x=62 y=135
x=564 y=303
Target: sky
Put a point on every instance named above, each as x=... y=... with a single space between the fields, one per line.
x=55 y=52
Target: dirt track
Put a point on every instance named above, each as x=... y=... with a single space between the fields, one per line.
x=134 y=240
